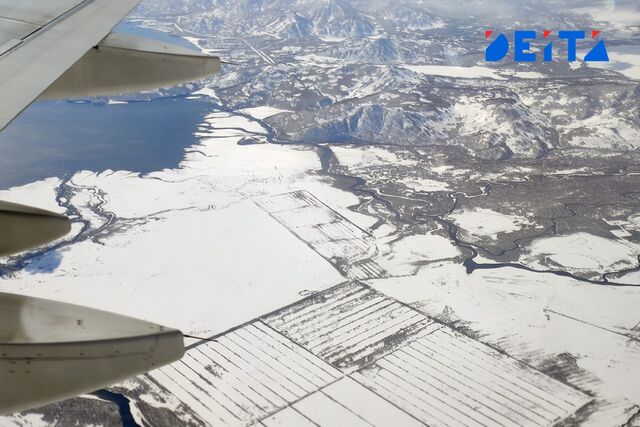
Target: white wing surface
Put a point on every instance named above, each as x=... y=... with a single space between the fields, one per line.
x=40 y=40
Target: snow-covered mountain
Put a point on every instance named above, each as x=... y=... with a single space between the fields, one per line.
x=403 y=16
x=293 y=26
x=338 y=19
x=373 y=50
x=401 y=73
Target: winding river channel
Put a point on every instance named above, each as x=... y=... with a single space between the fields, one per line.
x=358 y=186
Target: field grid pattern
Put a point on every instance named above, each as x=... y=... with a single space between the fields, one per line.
x=352 y=356
x=350 y=325
x=345 y=245
x=245 y=375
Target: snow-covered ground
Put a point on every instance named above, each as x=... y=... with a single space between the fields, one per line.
x=474 y=72
x=480 y=222
x=191 y=249
x=538 y=318
x=404 y=256
x=582 y=252
x=355 y=156
x=624 y=59
x=207 y=246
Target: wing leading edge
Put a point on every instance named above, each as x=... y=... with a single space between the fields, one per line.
x=52 y=41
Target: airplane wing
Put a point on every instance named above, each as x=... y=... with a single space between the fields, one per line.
x=58 y=49
x=52 y=350
x=66 y=46
x=40 y=40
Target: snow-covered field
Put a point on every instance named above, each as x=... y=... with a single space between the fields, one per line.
x=191 y=249
x=405 y=255
x=540 y=319
x=474 y=72
x=582 y=251
x=624 y=59
x=479 y=222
